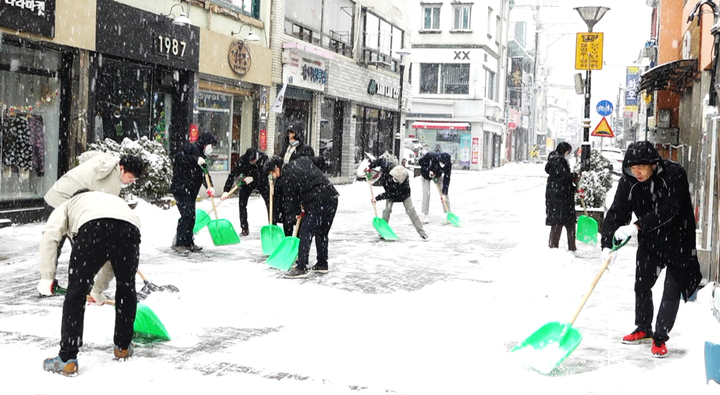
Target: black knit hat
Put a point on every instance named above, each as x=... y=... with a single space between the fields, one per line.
x=641 y=153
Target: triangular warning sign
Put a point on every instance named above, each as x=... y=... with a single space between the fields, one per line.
x=603 y=129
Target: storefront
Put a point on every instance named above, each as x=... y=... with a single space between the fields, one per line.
x=144 y=70
x=35 y=96
x=455 y=138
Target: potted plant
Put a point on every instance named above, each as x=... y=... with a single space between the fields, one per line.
x=593 y=186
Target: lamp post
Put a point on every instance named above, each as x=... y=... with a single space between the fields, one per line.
x=398 y=133
x=591 y=16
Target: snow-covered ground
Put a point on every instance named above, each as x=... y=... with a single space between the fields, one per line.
x=406 y=317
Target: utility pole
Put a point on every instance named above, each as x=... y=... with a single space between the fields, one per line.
x=533 y=109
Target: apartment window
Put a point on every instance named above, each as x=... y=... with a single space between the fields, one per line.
x=489 y=22
x=382 y=41
x=490 y=84
x=498 y=29
x=461 y=16
x=446 y=79
x=326 y=23
x=248 y=7
x=431 y=17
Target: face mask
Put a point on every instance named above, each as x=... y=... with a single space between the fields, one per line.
x=208 y=149
x=294 y=143
x=567 y=157
x=125 y=185
x=441 y=164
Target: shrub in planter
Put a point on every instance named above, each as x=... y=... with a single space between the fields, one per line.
x=155 y=181
x=594 y=182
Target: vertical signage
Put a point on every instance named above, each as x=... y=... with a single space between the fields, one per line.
x=632 y=80
x=29 y=16
x=589 y=51
x=263 y=140
x=475 y=150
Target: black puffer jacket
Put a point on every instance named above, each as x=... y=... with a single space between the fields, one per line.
x=243 y=167
x=430 y=162
x=303 y=183
x=664 y=212
x=559 y=191
x=397 y=192
x=187 y=174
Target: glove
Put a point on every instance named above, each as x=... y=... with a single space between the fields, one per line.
x=45 y=287
x=442 y=198
x=373 y=201
x=607 y=254
x=302 y=214
x=224 y=196
x=432 y=175
x=211 y=192
x=96 y=299
x=201 y=161
x=248 y=180
x=624 y=232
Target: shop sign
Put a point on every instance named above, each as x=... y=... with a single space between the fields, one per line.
x=375 y=88
x=29 y=16
x=263 y=140
x=475 y=150
x=305 y=71
x=129 y=32
x=239 y=57
x=194 y=133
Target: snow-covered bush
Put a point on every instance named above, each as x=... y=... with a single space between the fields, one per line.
x=155 y=180
x=594 y=182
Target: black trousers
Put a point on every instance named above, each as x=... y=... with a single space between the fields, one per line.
x=647 y=269
x=244 y=195
x=184 y=233
x=556 y=232
x=97 y=242
x=316 y=224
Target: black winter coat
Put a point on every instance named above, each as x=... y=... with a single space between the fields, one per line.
x=301 y=149
x=303 y=183
x=397 y=192
x=243 y=167
x=664 y=212
x=559 y=192
x=430 y=162
x=188 y=176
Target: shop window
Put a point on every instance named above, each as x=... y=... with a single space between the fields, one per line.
x=448 y=79
x=327 y=23
x=30 y=121
x=215 y=116
x=375 y=132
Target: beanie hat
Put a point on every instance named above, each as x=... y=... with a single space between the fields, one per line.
x=399 y=174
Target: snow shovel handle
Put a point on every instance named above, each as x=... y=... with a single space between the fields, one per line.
x=441 y=194
x=212 y=198
x=597 y=278
x=372 y=195
x=272 y=193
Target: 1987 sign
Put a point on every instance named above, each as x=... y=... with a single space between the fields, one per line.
x=171 y=46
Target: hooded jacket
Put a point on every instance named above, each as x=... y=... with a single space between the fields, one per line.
x=187 y=174
x=243 y=167
x=303 y=183
x=664 y=212
x=394 y=191
x=97 y=171
x=301 y=149
x=431 y=161
x=559 y=191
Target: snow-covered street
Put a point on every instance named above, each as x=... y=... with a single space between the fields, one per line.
x=412 y=316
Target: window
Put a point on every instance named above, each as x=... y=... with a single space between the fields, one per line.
x=215 y=116
x=489 y=22
x=498 y=29
x=461 y=19
x=382 y=41
x=248 y=7
x=326 y=23
x=448 y=79
x=431 y=17
x=490 y=84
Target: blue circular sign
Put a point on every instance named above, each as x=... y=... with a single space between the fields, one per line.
x=604 y=108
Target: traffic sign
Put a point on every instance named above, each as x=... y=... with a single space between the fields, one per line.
x=603 y=129
x=604 y=108
x=589 y=51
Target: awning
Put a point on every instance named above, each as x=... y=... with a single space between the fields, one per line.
x=671 y=76
x=441 y=125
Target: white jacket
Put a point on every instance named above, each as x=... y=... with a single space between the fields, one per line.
x=98 y=171
x=66 y=219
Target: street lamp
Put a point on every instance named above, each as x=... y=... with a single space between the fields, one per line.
x=591 y=16
x=399 y=134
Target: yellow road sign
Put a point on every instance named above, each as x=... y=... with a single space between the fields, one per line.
x=603 y=129
x=589 y=51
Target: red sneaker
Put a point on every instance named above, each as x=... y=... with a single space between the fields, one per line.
x=658 y=349
x=637 y=337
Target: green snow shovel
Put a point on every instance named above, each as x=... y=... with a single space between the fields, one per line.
x=147 y=328
x=587 y=227
x=380 y=224
x=271 y=235
x=286 y=252
x=452 y=218
x=221 y=230
x=553 y=342
x=202 y=218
